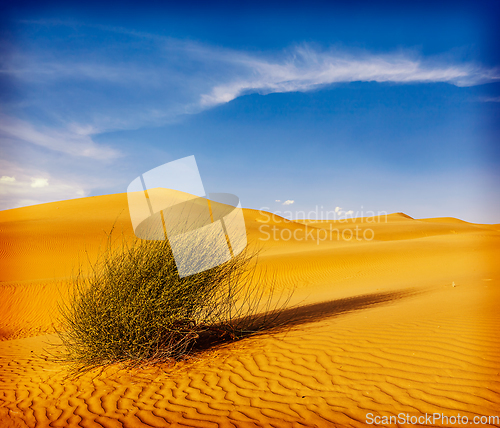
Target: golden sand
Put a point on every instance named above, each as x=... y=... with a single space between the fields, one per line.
x=405 y=323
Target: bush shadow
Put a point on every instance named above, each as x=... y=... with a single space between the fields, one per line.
x=285 y=319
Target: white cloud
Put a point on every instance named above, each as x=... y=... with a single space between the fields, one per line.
x=75 y=140
x=39 y=182
x=29 y=188
x=174 y=77
x=278 y=200
x=288 y=202
x=306 y=69
x=7 y=179
x=337 y=210
x=490 y=99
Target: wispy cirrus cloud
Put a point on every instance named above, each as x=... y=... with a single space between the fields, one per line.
x=306 y=69
x=148 y=80
x=490 y=99
x=73 y=140
x=86 y=94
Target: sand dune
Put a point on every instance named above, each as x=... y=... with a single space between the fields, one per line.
x=404 y=322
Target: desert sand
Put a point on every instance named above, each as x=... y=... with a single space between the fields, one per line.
x=407 y=322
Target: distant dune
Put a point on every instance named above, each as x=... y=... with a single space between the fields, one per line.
x=393 y=315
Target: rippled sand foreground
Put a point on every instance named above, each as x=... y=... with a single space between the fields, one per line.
x=405 y=323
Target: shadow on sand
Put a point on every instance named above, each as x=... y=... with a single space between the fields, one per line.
x=272 y=322
x=290 y=318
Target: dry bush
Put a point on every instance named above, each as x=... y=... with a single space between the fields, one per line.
x=134 y=308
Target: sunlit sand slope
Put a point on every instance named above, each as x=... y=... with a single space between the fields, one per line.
x=399 y=316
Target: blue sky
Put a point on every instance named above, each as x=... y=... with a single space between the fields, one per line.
x=388 y=107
